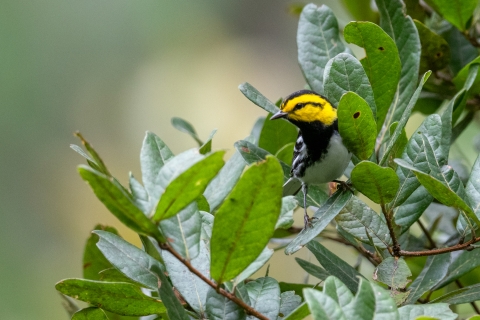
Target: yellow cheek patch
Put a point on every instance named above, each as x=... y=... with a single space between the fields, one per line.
x=327 y=115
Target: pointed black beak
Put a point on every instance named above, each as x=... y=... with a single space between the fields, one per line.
x=278 y=115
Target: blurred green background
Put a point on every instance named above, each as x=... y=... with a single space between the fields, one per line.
x=114 y=69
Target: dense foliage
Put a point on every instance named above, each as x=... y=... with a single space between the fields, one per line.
x=206 y=225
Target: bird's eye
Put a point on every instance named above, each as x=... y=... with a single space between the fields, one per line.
x=298 y=106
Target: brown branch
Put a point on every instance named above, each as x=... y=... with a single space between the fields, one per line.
x=460 y=246
x=226 y=294
x=388 y=217
x=372 y=257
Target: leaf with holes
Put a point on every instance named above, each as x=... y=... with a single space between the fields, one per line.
x=377 y=183
x=435 y=50
x=318 y=40
x=356 y=125
x=382 y=55
x=393 y=272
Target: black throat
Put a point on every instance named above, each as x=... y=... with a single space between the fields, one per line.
x=316 y=137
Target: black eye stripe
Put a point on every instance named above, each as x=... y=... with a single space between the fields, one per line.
x=299 y=106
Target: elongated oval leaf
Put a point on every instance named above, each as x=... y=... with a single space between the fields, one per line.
x=435 y=310
x=221 y=308
x=223 y=183
x=335 y=266
x=188 y=186
x=153 y=156
x=379 y=184
x=313 y=269
x=344 y=73
x=185 y=126
x=117 y=297
x=266 y=254
x=363 y=306
x=322 y=217
x=401 y=29
x=435 y=50
x=289 y=301
x=318 y=40
x=432 y=273
x=463 y=295
x=461 y=265
x=91 y=313
x=115 y=199
x=264 y=295
x=440 y=191
x=183 y=231
x=131 y=261
x=356 y=125
x=256 y=97
x=393 y=272
x=252 y=207
x=322 y=306
x=337 y=290
x=382 y=55
x=457 y=12
x=93 y=259
x=276 y=134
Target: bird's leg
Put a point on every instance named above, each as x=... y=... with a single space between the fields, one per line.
x=306 y=218
x=344 y=185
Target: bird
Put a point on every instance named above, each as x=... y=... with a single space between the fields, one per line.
x=319 y=155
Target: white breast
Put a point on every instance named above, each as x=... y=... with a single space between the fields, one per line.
x=331 y=166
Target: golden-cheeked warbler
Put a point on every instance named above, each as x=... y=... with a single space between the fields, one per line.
x=319 y=155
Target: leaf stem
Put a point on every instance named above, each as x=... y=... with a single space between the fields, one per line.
x=388 y=218
x=223 y=292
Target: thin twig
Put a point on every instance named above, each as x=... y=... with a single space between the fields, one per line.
x=427 y=234
x=226 y=294
x=460 y=246
x=372 y=257
x=396 y=246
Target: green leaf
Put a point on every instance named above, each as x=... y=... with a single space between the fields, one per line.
x=437 y=310
x=318 y=40
x=463 y=295
x=401 y=29
x=403 y=120
x=399 y=145
x=263 y=258
x=464 y=263
x=119 y=203
x=153 y=156
x=94 y=159
x=473 y=188
x=322 y=306
x=184 y=230
x=128 y=259
x=256 y=97
x=313 y=269
x=223 y=183
x=382 y=55
x=91 y=313
x=462 y=51
x=337 y=290
x=363 y=306
x=344 y=73
x=393 y=272
x=252 y=154
x=185 y=126
x=150 y=246
x=289 y=301
x=252 y=207
x=435 y=50
x=285 y=220
x=356 y=125
x=188 y=186
x=335 y=266
x=276 y=134
x=385 y=307
x=377 y=183
x=93 y=259
x=440 y=191
x=300 y=313
x=113 y=275
x=357 y=219
x=174 y=308
x=207 y=146
x=192 y=288
x=256 y=130
x=264 y=294
x=222 y=308
x=117 y=297
x=361 y=10
x=297 y=287
x=322 y=217
x=285 y=154
x=457 y=12
x=139 y=194
x=460 y=79
x=432 y=273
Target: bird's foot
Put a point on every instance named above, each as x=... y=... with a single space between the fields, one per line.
x=344 y=185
